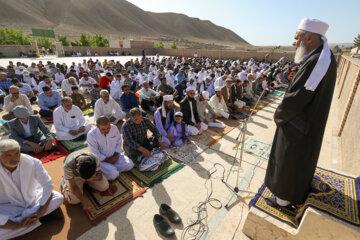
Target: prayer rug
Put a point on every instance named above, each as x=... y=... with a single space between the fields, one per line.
x=149 y=178
x=208 y=137
x=280 y=94
x=333 y=193
x=50 y=156
x=4 y=128
x=75 y=144
x=257 y=148
x=187 y=152
x=47 y=120
x=121 y=191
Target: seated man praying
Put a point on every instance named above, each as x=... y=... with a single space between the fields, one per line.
x=27 y=198
x=82 y=167
x=136 y=141
x=218 y=104
x=78 y=99
x=29 y=131
x=48 y=101
x=15 y=98
x=106 y=106
x=69 y=122
x=105 y=142
x=164 y=117
x=128 y=100
x=206 y=113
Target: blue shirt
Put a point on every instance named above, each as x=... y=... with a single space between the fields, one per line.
x=45 y=101
x=180 y=78
x=180 y=89
x=25 y=89
x=5 y=85
x=128 y=102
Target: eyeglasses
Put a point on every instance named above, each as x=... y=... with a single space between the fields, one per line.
x=15 y=93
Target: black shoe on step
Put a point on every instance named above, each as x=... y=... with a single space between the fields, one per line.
x=169 y=213
x=162 y=226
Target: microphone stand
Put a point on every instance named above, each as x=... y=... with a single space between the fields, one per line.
x=235 y=189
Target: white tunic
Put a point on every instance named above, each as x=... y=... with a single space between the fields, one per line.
x=115 y=89
x=43 y=84
x=66 y=121
x=110 y=109
x=104 y=146
x=83 y=81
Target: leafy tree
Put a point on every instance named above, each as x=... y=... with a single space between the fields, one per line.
x=10 y=36
x=357 y=41
x=45 y=42
x=173 y=45
x=75 y=43
x=100 y=41
x=159 y=45
x=63 y=40
x=85 y=40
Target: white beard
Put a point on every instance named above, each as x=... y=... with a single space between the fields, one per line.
x=300 y=53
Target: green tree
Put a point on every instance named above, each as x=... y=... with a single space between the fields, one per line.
x=75 y=43
x=357 y=41
x=44 y=42
x=63 y=40
x=100 y=41
x=85 y=40
x=10 y=36
x=159 y=45
x=173 y=45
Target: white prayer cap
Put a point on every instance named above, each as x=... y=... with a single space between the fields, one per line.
x=178 y=114
x=218 y=88
x=205 y=95
x=313 y=25
x=168 y=97
x=170 y=72
x=190 y=88
x=323 y=63
x=21 y=112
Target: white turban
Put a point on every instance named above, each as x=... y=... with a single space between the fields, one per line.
x=323 y=63
x=190 y=88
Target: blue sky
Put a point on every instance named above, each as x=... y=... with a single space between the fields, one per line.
x=266 y=22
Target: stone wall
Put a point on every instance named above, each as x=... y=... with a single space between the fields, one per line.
x=11 y=51
x=348 y=132
x=103 y=51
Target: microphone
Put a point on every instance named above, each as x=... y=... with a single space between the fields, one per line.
x=274 y=65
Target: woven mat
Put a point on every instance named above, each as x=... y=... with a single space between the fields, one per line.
x=121 y=191
x=187 y=152
x=149 y=178
x=88 y=112
x=47 y=157
x=332 y=193
x=47 y=120
x=75 y=144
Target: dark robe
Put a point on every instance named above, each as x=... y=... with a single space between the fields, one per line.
x=300 y=119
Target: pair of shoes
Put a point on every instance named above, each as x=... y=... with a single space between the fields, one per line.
x=160 y=222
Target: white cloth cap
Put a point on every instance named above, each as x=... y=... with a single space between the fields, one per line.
x=217 y=88
x=178 y=114
x=190 y=88
x=323 y=63
x=205 y=95
x=168 y=97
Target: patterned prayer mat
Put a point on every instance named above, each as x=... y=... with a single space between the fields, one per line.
x=47 y=120
x=332 y=193
x=257 y=148
x=149 y=178
x=280 y=94
x=121 y=191
x=208 y=137
x=187 y=152
x=73 y=145
x=50 y=156
x=4 y=128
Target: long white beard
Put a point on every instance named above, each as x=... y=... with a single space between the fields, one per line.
x=300 y=53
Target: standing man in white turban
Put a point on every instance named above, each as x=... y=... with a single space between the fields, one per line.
x=301 y=117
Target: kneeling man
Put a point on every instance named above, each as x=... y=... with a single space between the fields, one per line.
x=82 y=167
x=105 y=142
x=26 y=192
x=69 y=121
